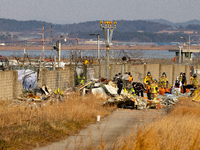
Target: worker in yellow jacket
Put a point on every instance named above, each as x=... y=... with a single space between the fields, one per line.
x=154 y=90
x=163 y=81
x=148 y=78
x=195 y=81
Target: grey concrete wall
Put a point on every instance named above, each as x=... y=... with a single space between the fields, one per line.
x=10 y=86
x=154 y=69
x=138 y=73
x=57 y=78
x=178 y=69
x=168 y=69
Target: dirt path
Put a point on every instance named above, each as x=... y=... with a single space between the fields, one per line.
x=109 y=129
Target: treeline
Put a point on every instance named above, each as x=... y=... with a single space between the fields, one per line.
x=137 y=30
x=122 y=25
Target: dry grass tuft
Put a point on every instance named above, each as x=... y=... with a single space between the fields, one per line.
x=21 y=127
x=178 y=130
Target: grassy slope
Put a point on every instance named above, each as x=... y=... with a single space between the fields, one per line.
x=24 y=127
x=178 y=130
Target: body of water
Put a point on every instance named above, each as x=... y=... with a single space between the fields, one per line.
x=92 y=53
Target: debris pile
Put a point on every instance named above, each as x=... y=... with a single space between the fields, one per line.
x=103 y=89
x=43 y=94
x=108 y=91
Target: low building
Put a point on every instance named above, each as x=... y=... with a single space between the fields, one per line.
x=186 y=54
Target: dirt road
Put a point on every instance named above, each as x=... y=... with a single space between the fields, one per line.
x=121 y=121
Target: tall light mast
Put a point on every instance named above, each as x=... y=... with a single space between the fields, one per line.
x=108 y=39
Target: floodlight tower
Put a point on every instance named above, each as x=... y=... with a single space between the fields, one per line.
x=108 y=39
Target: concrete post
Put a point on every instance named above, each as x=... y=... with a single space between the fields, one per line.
x=99 y=69
x=59 y=52
x=54 y=64
x=108 y=62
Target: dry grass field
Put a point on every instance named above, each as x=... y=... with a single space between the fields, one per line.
x=179 y=130
x=22 y=127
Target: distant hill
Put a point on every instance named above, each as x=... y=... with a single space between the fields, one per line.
x=183 y=24
x=126 y=30
x=122 y=25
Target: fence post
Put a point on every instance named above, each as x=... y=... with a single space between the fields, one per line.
x=54 y=64
x=99 y=69
x=40 y=64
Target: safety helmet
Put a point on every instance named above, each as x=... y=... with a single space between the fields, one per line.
x=163 y=74
x=148 y=73
x=177 y=78
x=194 y=75
x=181 y=74
x=155 y=80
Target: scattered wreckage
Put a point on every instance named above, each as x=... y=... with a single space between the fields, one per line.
x=104 y=89
x=41 y=94
x=108 y=91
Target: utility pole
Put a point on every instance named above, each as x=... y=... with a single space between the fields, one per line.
x=43 y=42
x=189 y=47
x=180 y=54
x=59 y=51
x=108 y=38
x=51 y=34
x=77 y=49
x=97 y=44
x=98 y=53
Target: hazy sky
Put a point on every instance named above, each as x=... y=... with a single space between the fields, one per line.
x=75 y=11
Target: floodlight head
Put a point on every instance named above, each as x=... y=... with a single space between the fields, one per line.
x=115 y=23
x=101 y=22
x=181 y=37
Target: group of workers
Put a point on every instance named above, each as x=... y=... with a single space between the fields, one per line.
x=122 y=81
x=151 y=85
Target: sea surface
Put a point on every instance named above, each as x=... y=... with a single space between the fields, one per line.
x=92 y=53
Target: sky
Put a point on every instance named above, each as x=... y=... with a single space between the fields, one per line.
x=75 y=11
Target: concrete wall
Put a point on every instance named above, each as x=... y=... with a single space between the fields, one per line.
x=154 y=69
x=57 y=78
x=10 y=86
x=139 y=71
x=168 y=69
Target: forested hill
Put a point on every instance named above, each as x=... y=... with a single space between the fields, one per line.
x=122 y=25
x=137 y=30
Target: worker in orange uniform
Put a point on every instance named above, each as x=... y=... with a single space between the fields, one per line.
x=154 y=90
x=130 y=79
x=195 y=81
x=148 y=78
